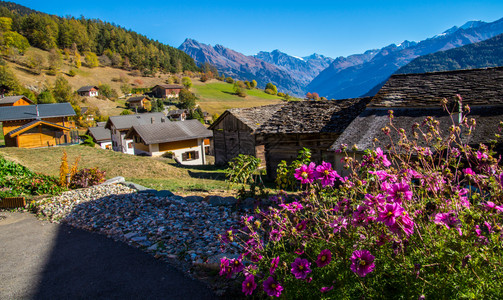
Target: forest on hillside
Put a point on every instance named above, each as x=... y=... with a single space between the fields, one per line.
x=96 y=41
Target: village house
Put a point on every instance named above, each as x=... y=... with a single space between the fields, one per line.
x=306 y=124
x=88 y=90
x=413 y=97
x=185 y=141
x=234 y=132
x=15 y=101
x=138 y=102
x=166 y=90
x=120 y=125
x=32 y=126
x=101 y=136
x=178 y=114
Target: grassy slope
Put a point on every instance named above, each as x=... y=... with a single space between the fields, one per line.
x=158 y=173
x=2 y=142
x=216 y=96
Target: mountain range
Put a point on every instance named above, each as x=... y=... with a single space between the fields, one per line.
x=342 y=77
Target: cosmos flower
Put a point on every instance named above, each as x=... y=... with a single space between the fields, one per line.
x=398 y=192
x=275 y=235
x=324 y=258
x=325 y=174
x=381 y=156
x=326 y=289
x=272 y=287
x=390 y=214
x=300 y=268
x=249 y=285
x=362 y=262
x=305 y=173
x=274 y=265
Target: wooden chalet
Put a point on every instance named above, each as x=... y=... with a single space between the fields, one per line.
x=234 y=132
x=413 y=97
x=15 y=101
x=311 y=124
x=88 y=90
x=187 y=141
x=178 y=114
x=166 y=90
x=32 y=126
x=138 y=102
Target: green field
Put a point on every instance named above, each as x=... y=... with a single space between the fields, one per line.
x=2 y=142
x=216 y=97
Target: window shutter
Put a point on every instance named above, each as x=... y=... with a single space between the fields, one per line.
x=184 y=156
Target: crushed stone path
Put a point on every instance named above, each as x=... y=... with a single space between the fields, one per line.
x=43 y=260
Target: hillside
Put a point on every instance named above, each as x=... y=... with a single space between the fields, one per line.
x=488 y=53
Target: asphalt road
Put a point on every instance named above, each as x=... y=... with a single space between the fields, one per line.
x=42 y=260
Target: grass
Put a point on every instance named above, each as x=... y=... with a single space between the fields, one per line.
x=2 y=141
x=157 y=173
x=215 y=97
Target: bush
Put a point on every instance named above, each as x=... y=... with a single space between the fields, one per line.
x=229 y=80
x=87 y=177
x=423 y=220
x=72 y=73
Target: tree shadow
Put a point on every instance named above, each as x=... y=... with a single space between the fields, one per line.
x=87 y=265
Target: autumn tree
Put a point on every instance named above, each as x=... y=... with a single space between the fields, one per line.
x=91 y=59
x=186 y=82
x=62 y=90
x=271 y=89
x=187 y=99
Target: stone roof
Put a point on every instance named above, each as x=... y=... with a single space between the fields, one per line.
x=137 y=98
x=13 y=99
x=177 y=112
x=314 y=116
x=27 y=112
x=252 y=117
x=100 y=133
x=170 y=86
x=367 y=126
x=170 y=131
x=475 y=86
x=87 y=88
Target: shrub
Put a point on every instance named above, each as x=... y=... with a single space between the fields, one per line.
x=422 y=220
x=229 y=80
x=72 y=73
x=87 y=177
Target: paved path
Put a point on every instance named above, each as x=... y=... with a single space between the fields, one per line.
x=42 y=260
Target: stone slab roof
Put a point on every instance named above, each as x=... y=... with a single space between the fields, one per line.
x=13 y=99
x=170 y=131
x=27 y=112
x=253 y=117
x=137 y=98
x=367 y=126
x=128 y=121
x=170 y=86
x=475 y=86
x=314 y=116
x=100 y=133
x=87 y=88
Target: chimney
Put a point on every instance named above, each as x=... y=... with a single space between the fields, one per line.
x=36 y=108
x=152 y=120
x=163 y=120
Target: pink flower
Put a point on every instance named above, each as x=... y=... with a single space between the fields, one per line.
x=448 y=220
x=362 y=262
x=398 y=192
x=383 y=175
x=482 y=155
x=292 y=207
x=275 y=235
x=324 y=258
x=274 y=265
x=390 y=214
x=469 y=171
x=237 y=265
x=339 y=224
x=256 y=257
x=325 y=174
x=301 y=226
x=272 y=288
x=305 y=173
x=225 y=268
x=381 y=156
x=249 y=285
x=300 y=268
x=326 y=289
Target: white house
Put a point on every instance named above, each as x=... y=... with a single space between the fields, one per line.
x=101 y=136
x=88 y=90
x=187 y=141
x=119 y=126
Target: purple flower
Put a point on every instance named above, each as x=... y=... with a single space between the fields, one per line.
x=482 y=155
x=301 y=226
x=272 y=287
x=326 y=289
x=469 y=171
x=249 y=285
x=300 y=268
x=339 y=224
x=292 y=207
x=390 y=214
x=383 y=175
x=399 y=192
x=305 y=173
x=324 y=258
x=237 y=265
x=448 y=220
x=225 y=267
x=362 y=262
x=250 y=270
x=255 y=257
x=275 y=235
x=274 y=265
x=381 y=156
x=325 y=174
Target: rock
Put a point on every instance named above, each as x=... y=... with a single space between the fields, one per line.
x=117 y=179
x=248 y=203
x=139 y=238
x=221 y=201
x=130 y=235
x=164 y=194
x=193 y=198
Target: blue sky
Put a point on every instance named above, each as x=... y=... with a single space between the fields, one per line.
x=300 y=28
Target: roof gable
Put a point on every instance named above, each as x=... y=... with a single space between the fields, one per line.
x=100 y=133
x=14 y=99
x=27 y=112
x=87 y=88
x=253 y=117
x=32 y=124
x=137 y=98
x=128 y=121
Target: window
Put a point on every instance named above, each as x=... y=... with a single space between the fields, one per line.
x=190 y=155
x=130 y=145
